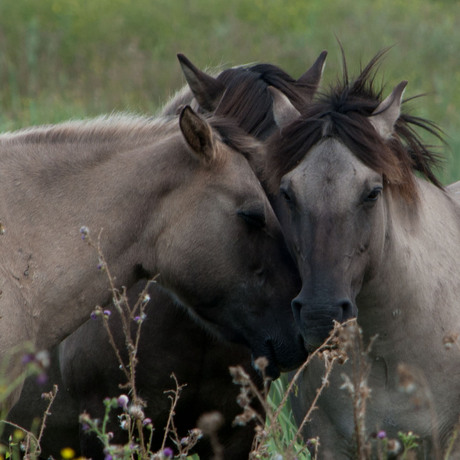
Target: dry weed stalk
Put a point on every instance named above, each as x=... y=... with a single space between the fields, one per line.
x=134 y=417
x=269 y=428
x=30 y=444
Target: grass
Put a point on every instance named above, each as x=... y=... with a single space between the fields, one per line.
x=62 y=59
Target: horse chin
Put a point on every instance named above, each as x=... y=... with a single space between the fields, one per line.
x=314 y=338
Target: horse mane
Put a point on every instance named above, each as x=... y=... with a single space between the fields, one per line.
x=343 y=113
x=131 y=131
x=120 y=127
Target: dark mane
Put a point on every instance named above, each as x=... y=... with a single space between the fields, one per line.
x=343 y=113
x=234 y=136
x=248 y=100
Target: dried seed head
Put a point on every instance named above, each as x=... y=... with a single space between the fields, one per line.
x=211 y=422
x=261 y=364
x=407 y=383
x=240 y=377
x=450 y=340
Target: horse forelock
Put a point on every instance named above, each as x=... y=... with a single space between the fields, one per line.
x=248 y=99
x=343 y=113
x=233 y=136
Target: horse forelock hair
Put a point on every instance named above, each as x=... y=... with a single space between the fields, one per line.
x=232 y=135
x=343 y=113
x=247 y=98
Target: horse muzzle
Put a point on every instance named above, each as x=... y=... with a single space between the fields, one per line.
x=316 y=320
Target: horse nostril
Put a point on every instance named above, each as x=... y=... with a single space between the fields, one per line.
x=296 y=306
x=345 y=306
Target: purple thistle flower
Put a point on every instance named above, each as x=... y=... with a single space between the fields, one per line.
x=42 y=378
x=168 y=452
x=84 y=232
x=94 y=315
x=381 y=434
x=28 y=358
x=107 y=313
x=146 y=421
x=85 y=427
x=123 y=401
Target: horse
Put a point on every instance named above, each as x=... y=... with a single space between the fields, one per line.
x=242 y=94
x=376 y=237
x=164 y=196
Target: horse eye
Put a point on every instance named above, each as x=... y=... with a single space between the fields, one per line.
x=374 y=194
x=286 y=196
x=253 y=217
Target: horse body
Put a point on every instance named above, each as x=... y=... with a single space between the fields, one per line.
x=374 y=241
x=116 y=176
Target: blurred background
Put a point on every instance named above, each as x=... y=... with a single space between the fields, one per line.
x=62 y=59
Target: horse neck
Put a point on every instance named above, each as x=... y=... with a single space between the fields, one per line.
x=417 y=279
x=117 y=198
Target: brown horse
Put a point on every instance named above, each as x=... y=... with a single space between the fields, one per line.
x=198 y=359
x=374 y=240
x=167 y=196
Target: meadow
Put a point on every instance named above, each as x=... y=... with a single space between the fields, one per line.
x=63 y=59
x=69 y=59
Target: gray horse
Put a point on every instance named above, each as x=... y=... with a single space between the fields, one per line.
x=375 y=236
x=167 y=196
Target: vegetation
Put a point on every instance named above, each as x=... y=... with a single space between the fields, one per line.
x=63 y=59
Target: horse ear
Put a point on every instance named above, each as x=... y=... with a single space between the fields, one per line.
x=198 y=134
x=207 y=90
x=308 y=83
x=384 y=117
x=283 y=110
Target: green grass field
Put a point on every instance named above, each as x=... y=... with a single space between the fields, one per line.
x=62 y=59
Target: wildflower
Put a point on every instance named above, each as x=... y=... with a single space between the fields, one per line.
x=381 y=434
x=147 y=421
x=394 y=447
x=42 y=378
x=124 y=424
x=261 y=364
x=94 y=314
x=146 y=298
x=67 y=453
x=240 y=377
x=211 y=422
x=407 y=383
x=101 y=264
x=18 y=435
x=107 y=313
x=136 y=412
x=84 y=232
x=450 y=340
x=123 y=401
x=28 y=358
x=167 y=452
x=43 y=358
